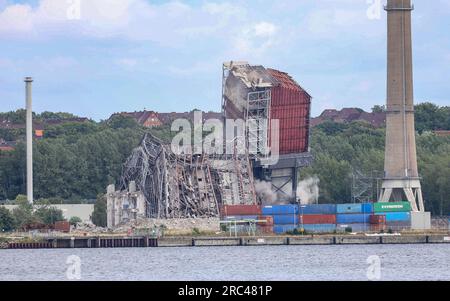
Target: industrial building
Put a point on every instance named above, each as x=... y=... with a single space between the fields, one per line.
x=270 y=101
x=158 y=183
x=266 y=95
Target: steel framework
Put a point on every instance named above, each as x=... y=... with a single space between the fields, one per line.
x=179 y=186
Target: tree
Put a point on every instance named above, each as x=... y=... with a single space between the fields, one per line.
x=49 y=215
x=122 y=122
x=21 y=199
x=99 y=216
x=74 y=220
x=7 y=222
x=379 y=109
x=23 y=214
x=431 y=117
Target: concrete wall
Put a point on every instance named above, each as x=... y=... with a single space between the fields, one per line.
x=83 y=211
x=420 y=220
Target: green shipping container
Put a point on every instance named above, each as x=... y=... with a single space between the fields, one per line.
x=392 y=207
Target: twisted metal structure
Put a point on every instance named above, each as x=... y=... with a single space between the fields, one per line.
x=186 y=185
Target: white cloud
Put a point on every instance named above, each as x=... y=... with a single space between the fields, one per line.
x=264 y=29
x=254 y=40
x=16 y=18
x=132 y=19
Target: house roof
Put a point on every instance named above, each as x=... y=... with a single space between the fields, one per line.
x=140 y=117
x=348 y=115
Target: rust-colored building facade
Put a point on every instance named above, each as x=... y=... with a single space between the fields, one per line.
x=258 y=93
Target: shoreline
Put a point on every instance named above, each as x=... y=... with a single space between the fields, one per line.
x=84 y=242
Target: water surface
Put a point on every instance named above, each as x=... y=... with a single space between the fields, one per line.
x=334 y=262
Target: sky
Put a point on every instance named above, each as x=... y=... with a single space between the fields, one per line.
x=96 y=57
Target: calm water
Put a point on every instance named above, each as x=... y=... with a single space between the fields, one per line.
x=398 y=262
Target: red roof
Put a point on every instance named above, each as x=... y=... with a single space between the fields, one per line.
x=284 y=80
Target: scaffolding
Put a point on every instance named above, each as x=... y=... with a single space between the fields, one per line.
x=257 y=116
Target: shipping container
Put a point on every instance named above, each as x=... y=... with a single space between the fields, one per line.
x=349 y=208
x=320 y=228
x=354 y=208
x=355 y=218
x=317 y=219
x=229 y=210
x=282 y=229
x=317 y=209
x=285 y=219
x=378 y=228
x=268 y=220
x=280 y=209
x=367 y=208
x=241 y=217
x=392 y=207
x=355 y=227
x=397 y=216
x=62 y=226
x=378 y=219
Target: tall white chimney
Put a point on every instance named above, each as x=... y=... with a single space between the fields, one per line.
x=28 y=81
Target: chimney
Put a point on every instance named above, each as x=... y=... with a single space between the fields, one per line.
x=29 y=126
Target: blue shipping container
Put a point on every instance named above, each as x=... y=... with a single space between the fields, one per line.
x=396 y=216
x=367 y=208
x=319 y=228
x=280 y=209
x=358 y=218
x=349 y=208
x=318 y=209
x=281 y=229
x=354 y=208
x=355 y=227
x=285 y=219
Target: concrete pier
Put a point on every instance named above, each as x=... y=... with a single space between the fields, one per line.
x=147 y=242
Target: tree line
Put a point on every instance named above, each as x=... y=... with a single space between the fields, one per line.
x=77 y=161
x=340 y=150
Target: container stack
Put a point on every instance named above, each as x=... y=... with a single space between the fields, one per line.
x=245 y=215
x=378 y=223
x=397 y=215
x=354 y=216
x=285 y=217
x=321 y=218
x=317 y=218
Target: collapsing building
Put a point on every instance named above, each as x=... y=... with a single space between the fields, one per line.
x=159 y=183
x=267 y=95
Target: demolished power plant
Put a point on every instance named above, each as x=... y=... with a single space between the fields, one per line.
x=253 y=176
x=157 y=182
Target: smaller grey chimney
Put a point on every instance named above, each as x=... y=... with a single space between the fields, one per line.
x=29 y=126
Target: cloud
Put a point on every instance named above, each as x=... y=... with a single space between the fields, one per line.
x=16 y=18
x=170 y=24
x=254 y=40
x=264 y=29
x=131 y=19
